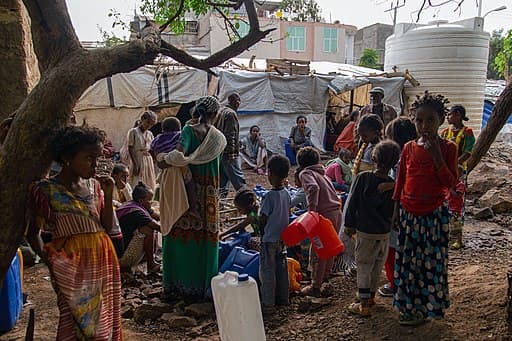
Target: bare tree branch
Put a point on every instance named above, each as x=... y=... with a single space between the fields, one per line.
x=227 y=21
x=53 y=34
x=231 y=51
x=174 y=17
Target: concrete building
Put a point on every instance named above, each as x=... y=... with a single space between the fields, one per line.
x=294 y=40
x=372 y=37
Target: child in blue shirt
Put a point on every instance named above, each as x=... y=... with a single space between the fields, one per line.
x=274 y=214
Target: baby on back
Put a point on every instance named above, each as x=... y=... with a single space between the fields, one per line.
x=168 y=139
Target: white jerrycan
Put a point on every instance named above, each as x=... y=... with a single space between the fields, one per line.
x=237 y=306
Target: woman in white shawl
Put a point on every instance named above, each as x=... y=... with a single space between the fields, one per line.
x=190 y=243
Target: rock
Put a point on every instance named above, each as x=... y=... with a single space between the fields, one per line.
x=484 y=213
x=127 y=312
x=152 y=292
x=496 y=233
x=200 y=309
x=313 y=304
x=150 y=311
x=486 y=176
x=178 y=321
x=500 y=200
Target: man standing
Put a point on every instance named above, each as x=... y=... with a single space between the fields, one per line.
x=230 y=170
x=386 y=112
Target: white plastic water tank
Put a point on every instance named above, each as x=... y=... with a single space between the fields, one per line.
x=237 y=306
x=445 y=58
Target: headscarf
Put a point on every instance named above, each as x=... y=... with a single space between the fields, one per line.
x=210 y=103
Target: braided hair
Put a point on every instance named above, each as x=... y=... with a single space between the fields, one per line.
x=438 y=103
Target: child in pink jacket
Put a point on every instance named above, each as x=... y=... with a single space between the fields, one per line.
x=321 y=198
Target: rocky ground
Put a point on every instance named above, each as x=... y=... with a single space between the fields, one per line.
x=478 y=288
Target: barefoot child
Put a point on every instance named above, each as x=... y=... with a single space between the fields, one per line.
x=465 y=140
x=274 y=214
x=428 y=169
x=168 y=141
x=246 y=203
x=369 y=212
x=321 y=197
x=369 y=130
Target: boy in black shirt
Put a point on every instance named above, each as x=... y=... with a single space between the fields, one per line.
x=369 y=212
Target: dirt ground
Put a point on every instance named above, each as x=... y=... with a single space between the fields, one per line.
x=478 y=285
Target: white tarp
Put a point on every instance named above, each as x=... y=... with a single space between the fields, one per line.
x=145 y=87
x=273 y=102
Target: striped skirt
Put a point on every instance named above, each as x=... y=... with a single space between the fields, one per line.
x=87 y=280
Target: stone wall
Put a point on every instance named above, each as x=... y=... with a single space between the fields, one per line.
x=372 y=37
x=18 y=72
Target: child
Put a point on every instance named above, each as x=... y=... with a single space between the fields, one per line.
x=246 y=203
x=465 y=140
x=428 y=169
x=139 y=141
x=122 y=189
x=300 y=135
x=321 y=198
x=299 y=198
x=167 y=142
x=369 y=130
x=339 y=170
x=274 y=214
x=346 y=138
x=369 y=212
x=401 y=130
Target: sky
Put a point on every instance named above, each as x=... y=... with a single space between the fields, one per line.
x=88 y=15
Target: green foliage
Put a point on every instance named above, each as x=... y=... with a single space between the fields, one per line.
x=110 y=39
x=370 y=58
x=302 y=10
x=495 y=46
x=163 y=10
x=503 y=59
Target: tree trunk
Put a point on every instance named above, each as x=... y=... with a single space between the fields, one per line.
x=499 y=116
x=67 y=70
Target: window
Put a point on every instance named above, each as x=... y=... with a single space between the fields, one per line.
x=330 y=39
x=191 y=27
x=296 y=40
x=242 y=28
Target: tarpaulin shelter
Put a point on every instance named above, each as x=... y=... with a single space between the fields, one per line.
x=115 y=103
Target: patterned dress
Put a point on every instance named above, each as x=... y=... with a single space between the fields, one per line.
x=84 y=265
x=190 y=250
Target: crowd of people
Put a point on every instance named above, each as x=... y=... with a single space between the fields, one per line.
x=405 y=184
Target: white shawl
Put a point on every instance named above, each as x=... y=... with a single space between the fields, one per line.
x=173 y=196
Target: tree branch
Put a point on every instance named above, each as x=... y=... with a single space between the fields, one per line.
x=174 y=17
x=53 y=34
x=499 y=117
x=231 y=51
x=235 y=4
x=227 y=21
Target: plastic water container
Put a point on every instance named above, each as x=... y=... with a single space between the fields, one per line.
x=319 y=230
x=237 y=306
x=11 y=296
x=296 y=231
x=290 y=154
x=236 y=239
x=243 y=262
